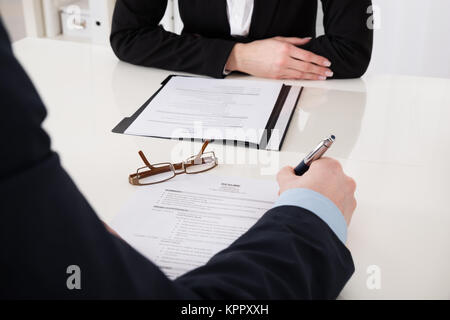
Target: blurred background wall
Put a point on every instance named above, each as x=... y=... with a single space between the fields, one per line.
x=13 y=17
x=413 y=38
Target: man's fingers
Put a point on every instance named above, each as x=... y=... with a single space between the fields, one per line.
x=285 y=173
x=309 y=68
x=354 y=204
x=295 y=41
x=329 y=165
x=352 y=184
x=308 y=56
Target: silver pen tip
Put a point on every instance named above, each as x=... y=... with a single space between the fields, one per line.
x=329 y=141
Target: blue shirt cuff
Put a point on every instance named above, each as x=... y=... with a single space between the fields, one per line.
x=318 y=204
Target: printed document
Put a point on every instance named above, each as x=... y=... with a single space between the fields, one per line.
x=209 y=109
x=180 y=224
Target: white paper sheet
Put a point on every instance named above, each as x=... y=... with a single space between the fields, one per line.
x=181 y=224
x=209 y=109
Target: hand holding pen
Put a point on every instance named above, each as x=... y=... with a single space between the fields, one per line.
x=324 y=176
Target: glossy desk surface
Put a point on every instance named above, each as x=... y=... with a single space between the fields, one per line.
x=393 y=138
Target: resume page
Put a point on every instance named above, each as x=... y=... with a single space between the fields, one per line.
x=209 y=109
x=180 y=224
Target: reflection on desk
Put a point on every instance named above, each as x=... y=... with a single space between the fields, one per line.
x=322 y=112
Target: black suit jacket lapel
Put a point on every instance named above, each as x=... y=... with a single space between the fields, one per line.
x=222 y=16
x=263 y=15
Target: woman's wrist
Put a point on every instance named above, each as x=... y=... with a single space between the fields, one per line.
x=233 y=63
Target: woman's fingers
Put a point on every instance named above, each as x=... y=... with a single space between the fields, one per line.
x=308 y=56
x=300 y=75
x=309 y=68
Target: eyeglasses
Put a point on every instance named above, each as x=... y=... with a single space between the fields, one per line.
x=161 y=172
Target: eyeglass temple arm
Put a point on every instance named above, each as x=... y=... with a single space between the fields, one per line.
x=141 y=154
x=199 y=155
x=154 y=171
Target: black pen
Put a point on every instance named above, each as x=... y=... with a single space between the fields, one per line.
x=314 y=155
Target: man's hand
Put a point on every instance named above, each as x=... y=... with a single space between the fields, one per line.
x=278 y=58
x=326 y=177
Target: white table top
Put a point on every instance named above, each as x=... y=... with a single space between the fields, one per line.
x=393 y=138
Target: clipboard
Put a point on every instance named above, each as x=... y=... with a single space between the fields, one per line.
x=288 y=94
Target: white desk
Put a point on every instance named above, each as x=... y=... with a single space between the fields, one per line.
x=393 y=138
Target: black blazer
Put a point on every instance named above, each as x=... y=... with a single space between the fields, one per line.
x=47 y=225
x=205 y=44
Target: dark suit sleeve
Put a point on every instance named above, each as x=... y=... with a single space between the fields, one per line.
x=137 y=38
x=47 y=226
x=289 y=254
x=347 y=42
